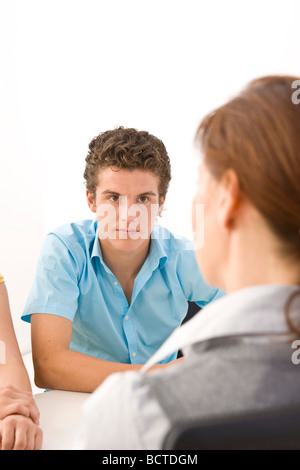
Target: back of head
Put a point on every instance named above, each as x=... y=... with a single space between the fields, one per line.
x=258 y=135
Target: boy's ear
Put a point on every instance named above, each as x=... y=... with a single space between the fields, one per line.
x=229 y=199
x=161 y=205
x=91 y=201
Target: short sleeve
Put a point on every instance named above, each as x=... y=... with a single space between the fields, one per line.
x=193 y=283
x=1 y=278
x=55 y=287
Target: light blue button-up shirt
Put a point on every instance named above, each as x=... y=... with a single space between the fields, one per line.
x=73 y=281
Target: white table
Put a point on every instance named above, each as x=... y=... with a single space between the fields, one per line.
x=60 y=417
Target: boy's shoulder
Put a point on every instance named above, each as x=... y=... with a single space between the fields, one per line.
x=171 y=241
x=76 y=231
x=76 y=237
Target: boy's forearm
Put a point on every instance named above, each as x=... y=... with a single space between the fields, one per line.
x=75 y=371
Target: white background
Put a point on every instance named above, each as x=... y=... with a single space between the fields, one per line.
x=71 y=69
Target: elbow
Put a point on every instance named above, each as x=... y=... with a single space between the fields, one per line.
x=40 y=379
x=45 y=373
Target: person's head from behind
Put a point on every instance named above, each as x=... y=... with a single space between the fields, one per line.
x=127 y=174
x=249 y=183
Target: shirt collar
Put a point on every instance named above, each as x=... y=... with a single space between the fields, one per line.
x=157 y=255
x=156 y=247
x=96 y=250
x=257 y=309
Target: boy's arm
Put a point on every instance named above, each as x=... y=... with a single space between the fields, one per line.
x=58 y=367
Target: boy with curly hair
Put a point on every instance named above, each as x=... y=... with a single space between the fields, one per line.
x=109 y=291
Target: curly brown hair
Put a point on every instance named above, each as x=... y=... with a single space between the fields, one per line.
x=127 y=148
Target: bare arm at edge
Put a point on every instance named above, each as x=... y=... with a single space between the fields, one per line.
x=13 y=371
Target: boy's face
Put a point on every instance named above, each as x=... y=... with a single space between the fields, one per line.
x=126 y=203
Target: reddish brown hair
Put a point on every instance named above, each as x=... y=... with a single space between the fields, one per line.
x=258 y=135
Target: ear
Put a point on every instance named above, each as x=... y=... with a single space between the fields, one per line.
x=229 y=199
x=161 y=205
x=91 y=201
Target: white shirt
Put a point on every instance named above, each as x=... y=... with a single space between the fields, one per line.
x=122 y=413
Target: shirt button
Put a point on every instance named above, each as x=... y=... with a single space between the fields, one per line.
x=115 y=283
x=133 y=354
x=126 y=317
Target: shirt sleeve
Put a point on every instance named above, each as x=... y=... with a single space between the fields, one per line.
x=1 y=278
x=122 y=414
x=193 y=283
x=55 y=287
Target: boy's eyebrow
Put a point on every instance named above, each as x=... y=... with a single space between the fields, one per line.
x=115 y=193
x=148 y=193
x=108 y=191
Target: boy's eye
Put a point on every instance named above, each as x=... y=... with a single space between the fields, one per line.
x=114 y=198
x=143 y=199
